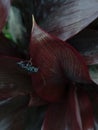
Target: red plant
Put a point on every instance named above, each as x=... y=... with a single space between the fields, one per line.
x=53 y=90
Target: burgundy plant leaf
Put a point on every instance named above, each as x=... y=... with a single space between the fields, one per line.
x=4 y=11
x=86 y=110
x=95 y=107
x=55 y=117
x=57 y=63
x=67 y=116
x=35 y=100
x=70 y=17
x=94 y=100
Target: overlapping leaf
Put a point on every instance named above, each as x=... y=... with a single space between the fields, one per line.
x=13 y=113
x=16 y=81
x=70 y=16
x=86 y=110
x=34 y=118
x=71 y=115
x=58 y=63
x=4 y=10
x=94 y=100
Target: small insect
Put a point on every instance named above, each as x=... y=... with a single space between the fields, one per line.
x=27 y=65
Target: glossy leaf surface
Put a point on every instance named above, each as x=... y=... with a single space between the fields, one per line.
x=71 y=114
x=86 y=110
x=58 y=63
x=69 y=17
x=95 y=108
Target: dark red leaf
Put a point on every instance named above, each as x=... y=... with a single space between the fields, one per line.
x=70 y=17
x=55 y=118
x=73 y=111
x=57 y=63
x=64 y=116
x=35 y=100
x=94 y=100
x=4 y=10
x=86 y=110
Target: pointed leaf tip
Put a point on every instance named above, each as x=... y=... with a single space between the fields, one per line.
x=37 y=32
x=33 y=20
x=58 y=62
